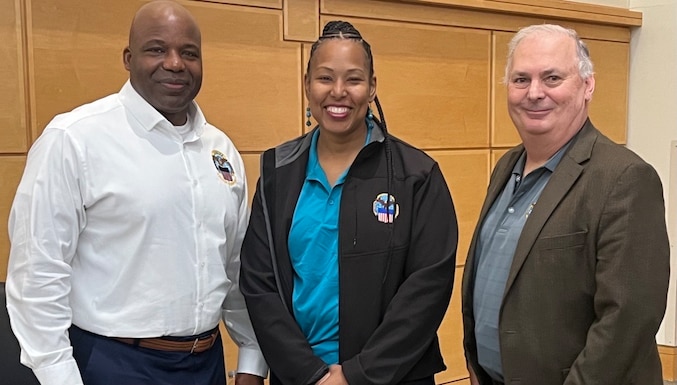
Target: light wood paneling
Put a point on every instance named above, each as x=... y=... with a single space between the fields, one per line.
x=11 y=169
x=609 y=105
x=503 y=132
x=275 y=4
x=12 y=98
x=451 y=337
x=433 y=82
x=252 y=165
x=557 y=9
x=301 y=20
x=463 y=17
x=496 y=154
x=608 y=109
x=75 y=52
x=242 y=88
x=668 y=356
x=467 y=174
x=251 y=86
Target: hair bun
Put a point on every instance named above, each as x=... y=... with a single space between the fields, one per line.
x=341 y=28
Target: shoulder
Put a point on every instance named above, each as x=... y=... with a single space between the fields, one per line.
x=95 y=112
x=410 y=155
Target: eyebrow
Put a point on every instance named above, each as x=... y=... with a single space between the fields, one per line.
x=546 y=72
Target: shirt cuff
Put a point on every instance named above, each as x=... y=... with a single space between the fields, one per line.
x=251 y=361
x=63 y=373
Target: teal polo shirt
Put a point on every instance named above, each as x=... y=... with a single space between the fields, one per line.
x=313 y=248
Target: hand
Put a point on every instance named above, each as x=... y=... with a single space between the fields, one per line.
x=334 y=377
x=473 y=376
x=248 y=379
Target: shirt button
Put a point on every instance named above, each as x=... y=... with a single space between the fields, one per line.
x=511 y=210
x=331 y=201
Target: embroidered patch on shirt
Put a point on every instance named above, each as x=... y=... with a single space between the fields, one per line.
x=385 y=210
x=225 y=169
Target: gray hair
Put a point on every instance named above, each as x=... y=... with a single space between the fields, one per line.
x=585 y=68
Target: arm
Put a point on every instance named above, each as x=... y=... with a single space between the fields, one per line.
x=633 y=261
x=284 y=345
x=251 y=365
x=44 y=225
x=414 y=314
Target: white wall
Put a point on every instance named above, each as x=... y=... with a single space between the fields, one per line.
x=652 y=113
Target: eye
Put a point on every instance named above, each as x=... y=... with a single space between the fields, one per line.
x=157 y=50
x=324 y=78
x=520 y=82
x=191 y=54
x=552 y=80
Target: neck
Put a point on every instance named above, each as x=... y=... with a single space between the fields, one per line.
x=336 y=154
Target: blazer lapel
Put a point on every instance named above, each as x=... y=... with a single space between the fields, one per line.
x=563 y=178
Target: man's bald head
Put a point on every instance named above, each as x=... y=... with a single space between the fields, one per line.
x=158 y=9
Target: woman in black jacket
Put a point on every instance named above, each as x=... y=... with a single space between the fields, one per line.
x=348 y=262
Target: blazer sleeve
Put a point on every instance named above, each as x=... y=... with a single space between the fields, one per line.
x=284 y=346
x=632 y=273
x=415 y=313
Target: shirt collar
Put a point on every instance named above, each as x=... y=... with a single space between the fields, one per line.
x=550 y=165
x=314 y=170
x=149 y=117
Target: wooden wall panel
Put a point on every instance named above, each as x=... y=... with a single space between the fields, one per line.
x=75 y=53
x=251 y=87
x=503 y=132
x=277 y=4
x=11 y=169
x=301 y=20
x=12 y=98
x=464 y=17
x=433 y=82
x=241 y=91
x=467 y=174
x=252 y=165
x=451 y=337
x=609 y=105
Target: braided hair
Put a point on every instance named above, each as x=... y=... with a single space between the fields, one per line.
x=338 y=29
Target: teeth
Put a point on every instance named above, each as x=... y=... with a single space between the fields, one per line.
x=337 y=110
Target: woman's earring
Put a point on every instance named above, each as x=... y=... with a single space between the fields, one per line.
x=308 y=117
x=370 y=118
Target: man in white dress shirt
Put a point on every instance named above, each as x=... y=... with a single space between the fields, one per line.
x=126 y=229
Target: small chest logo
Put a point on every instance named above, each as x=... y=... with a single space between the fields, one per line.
x=223 y=166
x=385 y=209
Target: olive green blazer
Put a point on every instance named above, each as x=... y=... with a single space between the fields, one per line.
x=588 y=283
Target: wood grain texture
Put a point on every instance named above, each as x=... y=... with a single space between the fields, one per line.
x=13 y=108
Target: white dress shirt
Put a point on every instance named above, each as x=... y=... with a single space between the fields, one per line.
x=126 y=228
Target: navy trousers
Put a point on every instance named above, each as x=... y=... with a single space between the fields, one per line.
x=105 y=361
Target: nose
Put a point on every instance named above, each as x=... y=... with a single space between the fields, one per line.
x=535 y=90
x=339 y=89
x=173 y=61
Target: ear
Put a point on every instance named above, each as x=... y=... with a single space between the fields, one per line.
x=372 y=89
x=589 y=87
x=126 y=57
x=306 y=84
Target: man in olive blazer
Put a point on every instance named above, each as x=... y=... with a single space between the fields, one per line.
x=586 y=288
